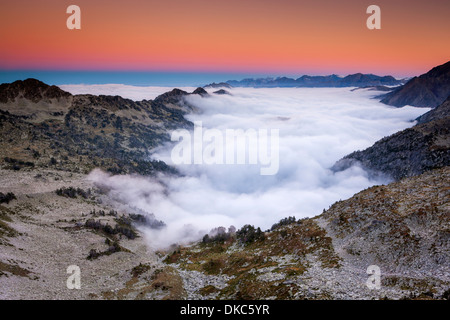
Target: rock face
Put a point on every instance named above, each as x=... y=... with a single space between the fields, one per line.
x=353 y=80
x=427 y=90
x=409 y=152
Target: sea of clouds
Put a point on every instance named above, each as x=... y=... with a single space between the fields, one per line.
x=317 y=127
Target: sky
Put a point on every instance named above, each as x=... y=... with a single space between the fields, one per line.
x=316 y=127
x=286 y=37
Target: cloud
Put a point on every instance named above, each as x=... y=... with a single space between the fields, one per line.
x=316 y=126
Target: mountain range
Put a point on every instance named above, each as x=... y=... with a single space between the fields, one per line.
x=352 y=80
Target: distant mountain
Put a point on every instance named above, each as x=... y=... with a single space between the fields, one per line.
x=427 y=90
x=353 y=80
x=409 y=152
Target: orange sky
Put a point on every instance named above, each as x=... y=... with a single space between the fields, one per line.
x=284 y=37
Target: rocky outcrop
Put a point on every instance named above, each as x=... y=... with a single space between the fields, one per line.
x=427 y=90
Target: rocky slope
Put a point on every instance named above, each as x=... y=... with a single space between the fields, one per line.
x=403 y=228
x=427 y=90
x=410 y=152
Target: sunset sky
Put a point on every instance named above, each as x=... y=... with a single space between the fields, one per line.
x=286 y=37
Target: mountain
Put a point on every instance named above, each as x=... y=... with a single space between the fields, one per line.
x=44 y=126
x=428 y=90
x=52 y=215
x=353 y=80
x=410 y=152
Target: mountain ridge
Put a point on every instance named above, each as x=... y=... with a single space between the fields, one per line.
x=50 y=140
